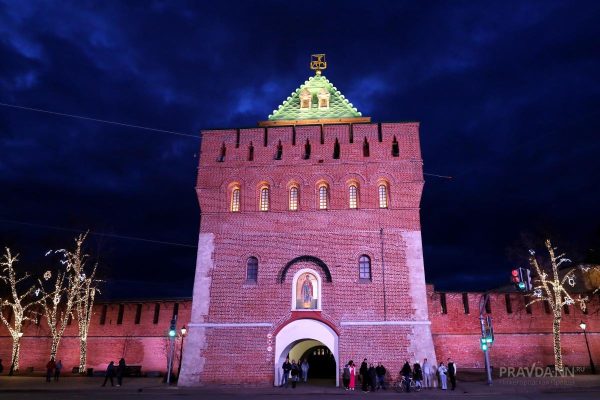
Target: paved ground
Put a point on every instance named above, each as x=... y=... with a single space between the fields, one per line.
x=579 y=387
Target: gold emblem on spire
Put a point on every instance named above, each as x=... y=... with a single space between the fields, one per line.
x=318 y=63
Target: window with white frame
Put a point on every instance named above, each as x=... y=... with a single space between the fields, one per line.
x=383 y=196
x=353 y=196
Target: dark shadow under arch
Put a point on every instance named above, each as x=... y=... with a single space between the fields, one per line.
x=310 y=259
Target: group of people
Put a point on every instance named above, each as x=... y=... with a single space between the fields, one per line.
x=429 y=376
x=372 y=378
x=53 y=368
x=426 y=376
x=111 y=371
x=296 y=370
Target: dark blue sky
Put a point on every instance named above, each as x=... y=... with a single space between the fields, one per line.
x=507 y=94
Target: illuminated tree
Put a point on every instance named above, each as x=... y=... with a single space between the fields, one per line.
x=19 y=304
x=84 y=284
x=550 y=287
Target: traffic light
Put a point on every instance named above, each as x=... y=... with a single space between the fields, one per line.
x=173 y=328
x=484 y=344
x=521 y=277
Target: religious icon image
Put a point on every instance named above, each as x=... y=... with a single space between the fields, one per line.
x=306 y=292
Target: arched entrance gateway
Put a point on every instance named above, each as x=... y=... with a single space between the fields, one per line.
x=302 y=336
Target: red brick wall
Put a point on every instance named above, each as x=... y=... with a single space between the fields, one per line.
x=143 y=344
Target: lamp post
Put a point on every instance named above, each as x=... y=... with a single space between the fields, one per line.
x=583 y=325
x=183 y=332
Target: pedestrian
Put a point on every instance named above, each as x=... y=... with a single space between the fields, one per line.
x=380 y=371
x=57 y=369
x=418 y=375
x=442 y=374
x=121 y=368
x=50 y=369
x=364 y=375
x=287 y=367
x=295 y=371
x=435 y=376
x=304 y=366
x=346 y=376
x=452 y=373
x=352 y=383
x=372 y=377
x=405 y=372
x=427 y=373
x=109 y=374
x=1 y=367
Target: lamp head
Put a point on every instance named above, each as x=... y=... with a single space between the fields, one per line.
x=583 y=325
x=183 y=330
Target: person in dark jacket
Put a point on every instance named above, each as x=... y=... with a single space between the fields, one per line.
x=57 y=368
x=295 y=371
x=346 y=376
x=372 y=377
x=364 y=375
x=109 y=374
x=121 y=371
x=50 y=369
x=405 y=372
x=380 y=371
x=452 y=373
x=418 y=375
x=287 y=367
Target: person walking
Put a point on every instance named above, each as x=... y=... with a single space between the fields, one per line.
x=418 y=375
x=109 y=374
x=50 y=369
x=427 y=373
x=442 y=374
x=287 y=367
x=380 y=371
x=364 y=375
x=304 y=366
x=405 y=372
x=121 y=371
x=352 y=383
x=452 y=373
x=372 y=377
x=346 y=376
x=57 y=368
x=295 y=371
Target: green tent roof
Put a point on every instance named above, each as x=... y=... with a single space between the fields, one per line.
x=339 y=106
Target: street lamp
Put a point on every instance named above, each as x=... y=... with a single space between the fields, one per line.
x=183 y=332
x=583 y=325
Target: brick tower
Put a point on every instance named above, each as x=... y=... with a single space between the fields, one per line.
x=310 y=244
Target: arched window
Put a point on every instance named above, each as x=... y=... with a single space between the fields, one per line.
x=293 y=206
x=364 y=267
x=235 y=200
x=353 y=196
x=383 y=196
x=264 y=199
x=252 y=270
x=323 y=197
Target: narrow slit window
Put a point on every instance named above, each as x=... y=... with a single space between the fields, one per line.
x=353 y=193
x=138 y=314
x=235 y=200
x=336 y=150
x=264 y=199
x=395 y=148
x=293 y=198
x=103 y=314
x=443 y=303
x=156 y=313
x=175 y=309
x=488 y=306
x=222 y=154
x=366 y=148
x=279 y=151
x=307 y=150
x=252 y=270
x=120 y=314
x=323 y=197
x=465 y=299
x=364 y=268
x=383 y=196
x=508 y=303
x=251 y=152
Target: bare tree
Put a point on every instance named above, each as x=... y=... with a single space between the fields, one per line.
x=19 y=304
x=550 y=287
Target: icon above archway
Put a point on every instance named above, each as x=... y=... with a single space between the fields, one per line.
x=307 y=292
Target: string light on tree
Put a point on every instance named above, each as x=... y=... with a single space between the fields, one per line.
x=554 y=292
x=20 y=303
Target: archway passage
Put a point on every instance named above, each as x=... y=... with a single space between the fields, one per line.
x=321 y=362
x=302 y=338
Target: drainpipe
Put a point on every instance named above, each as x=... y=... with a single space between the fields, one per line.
x=383 y=276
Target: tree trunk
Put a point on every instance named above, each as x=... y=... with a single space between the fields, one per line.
x=82 y=354
x=16 y=351
x=558 y=364
x=54 y=347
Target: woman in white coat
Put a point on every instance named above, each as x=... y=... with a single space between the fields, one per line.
x=442 y=370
